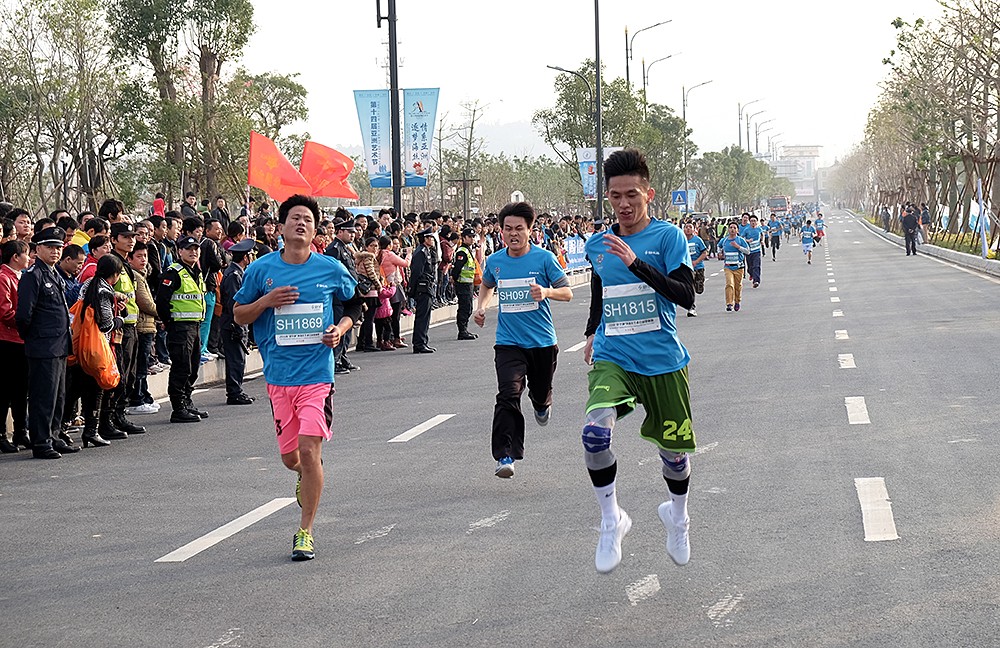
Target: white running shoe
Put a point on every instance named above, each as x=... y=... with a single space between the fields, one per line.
x=678 y=545
x=542 y=418
x=609 y=546
x=145 y=408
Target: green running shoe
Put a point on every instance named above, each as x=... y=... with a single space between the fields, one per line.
x=302 y=546
x=298 y=491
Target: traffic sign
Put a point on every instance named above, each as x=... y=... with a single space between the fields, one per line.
x=678 y=198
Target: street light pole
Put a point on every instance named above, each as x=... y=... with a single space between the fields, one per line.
x=684 y=104
x=757 y=132
x=597 y=109
x=628 y=48
x=739 y=122
x=645 y=76
x=397 y=147
x=749 y=117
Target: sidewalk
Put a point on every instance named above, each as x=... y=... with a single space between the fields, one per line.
x=971 y=261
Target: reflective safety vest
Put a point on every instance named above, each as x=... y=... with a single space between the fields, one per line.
x=187 y=304
x=468 y=273
x=126 y=286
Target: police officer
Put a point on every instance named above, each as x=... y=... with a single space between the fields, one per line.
x=463 y=273
x=423 y=272
x=234 y=336
x=180 y=304
x=42 y=318
x=126 y=341
x=342 y=249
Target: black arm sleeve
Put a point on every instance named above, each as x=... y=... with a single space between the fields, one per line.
x=596 y=304
x=678 y=286
x=170 y=282
x=352 y=308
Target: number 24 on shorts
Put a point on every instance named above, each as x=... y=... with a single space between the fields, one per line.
x=671 y=431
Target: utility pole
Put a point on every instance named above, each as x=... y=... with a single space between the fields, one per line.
x=397 y=146
x=597 y=109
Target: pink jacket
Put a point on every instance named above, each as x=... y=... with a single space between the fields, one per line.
x=390 y=263
x=9 y=279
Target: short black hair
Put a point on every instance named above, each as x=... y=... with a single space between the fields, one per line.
x=296 y=201
x=156 y=220
x=67 y=223
x=235 y=229
x=18 y=211
x=97 y=241
x=72 y=251
x=211 y=221
x=109 y=208
x=43 y=223
x=83 y=214
x=191 y=223
x=139 y=245
x=626 y=162
x=519 y=210
x=11 y=249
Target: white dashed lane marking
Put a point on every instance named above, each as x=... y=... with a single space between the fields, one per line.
x=643 y=589
x=876 y=509
x=213 y=538
x=835 y=300
x=838 y=313
x=417 y=430
x=841 y=335
x=575 y=347
x=846 y=361
x=857 y=410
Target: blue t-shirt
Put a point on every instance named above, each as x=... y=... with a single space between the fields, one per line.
x=522 y=321
x=820 y=225
x=289 y=338
x=752 y=235
x=807 y=233
x=786 y=225
x=774 y=228
x=695 y=247
x=638 y=331
x=733 y=256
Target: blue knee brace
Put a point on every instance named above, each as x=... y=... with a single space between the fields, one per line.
x=675 y=465
x=596 y=438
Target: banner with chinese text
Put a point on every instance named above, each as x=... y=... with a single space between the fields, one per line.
x=374 y=118
x=419 y=114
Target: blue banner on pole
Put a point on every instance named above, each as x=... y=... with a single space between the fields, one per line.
x=576 y=257
x=420 y=111
x=374 y=119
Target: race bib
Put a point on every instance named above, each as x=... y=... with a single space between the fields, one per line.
x=298 y=324
x=732 y=258
x=515 y=295
x=630 y=309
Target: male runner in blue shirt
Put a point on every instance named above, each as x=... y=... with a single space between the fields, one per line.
x=526 y=277
x=807 y=235
x=699 y=252
x=641 y=272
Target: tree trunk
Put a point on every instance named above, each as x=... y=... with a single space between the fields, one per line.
x=209 y=64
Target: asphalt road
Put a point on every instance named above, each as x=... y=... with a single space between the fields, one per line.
x=418 y=544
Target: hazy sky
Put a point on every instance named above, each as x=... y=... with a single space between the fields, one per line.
x=815 y=66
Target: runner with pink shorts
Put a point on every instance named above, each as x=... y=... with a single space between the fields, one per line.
x=288 y=297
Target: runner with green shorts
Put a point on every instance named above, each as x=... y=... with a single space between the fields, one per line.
x=641 y=273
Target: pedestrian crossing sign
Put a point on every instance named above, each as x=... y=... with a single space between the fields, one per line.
x=678 y=198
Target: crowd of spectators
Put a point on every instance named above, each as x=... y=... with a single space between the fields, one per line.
x=92 y=254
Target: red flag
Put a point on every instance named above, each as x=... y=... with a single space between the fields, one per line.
x=326 y=170
x=271 y=171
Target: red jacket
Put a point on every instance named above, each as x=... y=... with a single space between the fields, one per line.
x=8 y=304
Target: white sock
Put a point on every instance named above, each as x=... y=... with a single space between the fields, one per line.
x=679 y=506
x=607 y=499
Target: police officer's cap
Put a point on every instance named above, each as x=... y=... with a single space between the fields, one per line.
x=243 y=246
x=117 y=229
x=186 y=242
x=468 y=231
x=54 y=236
x=426 y=232
x=345 y=225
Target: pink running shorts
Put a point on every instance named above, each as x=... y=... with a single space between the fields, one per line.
x=301 y=409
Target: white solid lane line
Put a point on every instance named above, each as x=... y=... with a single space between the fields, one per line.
x=857 y=411
x=416 y=431
x=841 y=335
x=230 y=528
x=846 y=361
x=575 y=347
x=876 y=509
x=451 y=321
